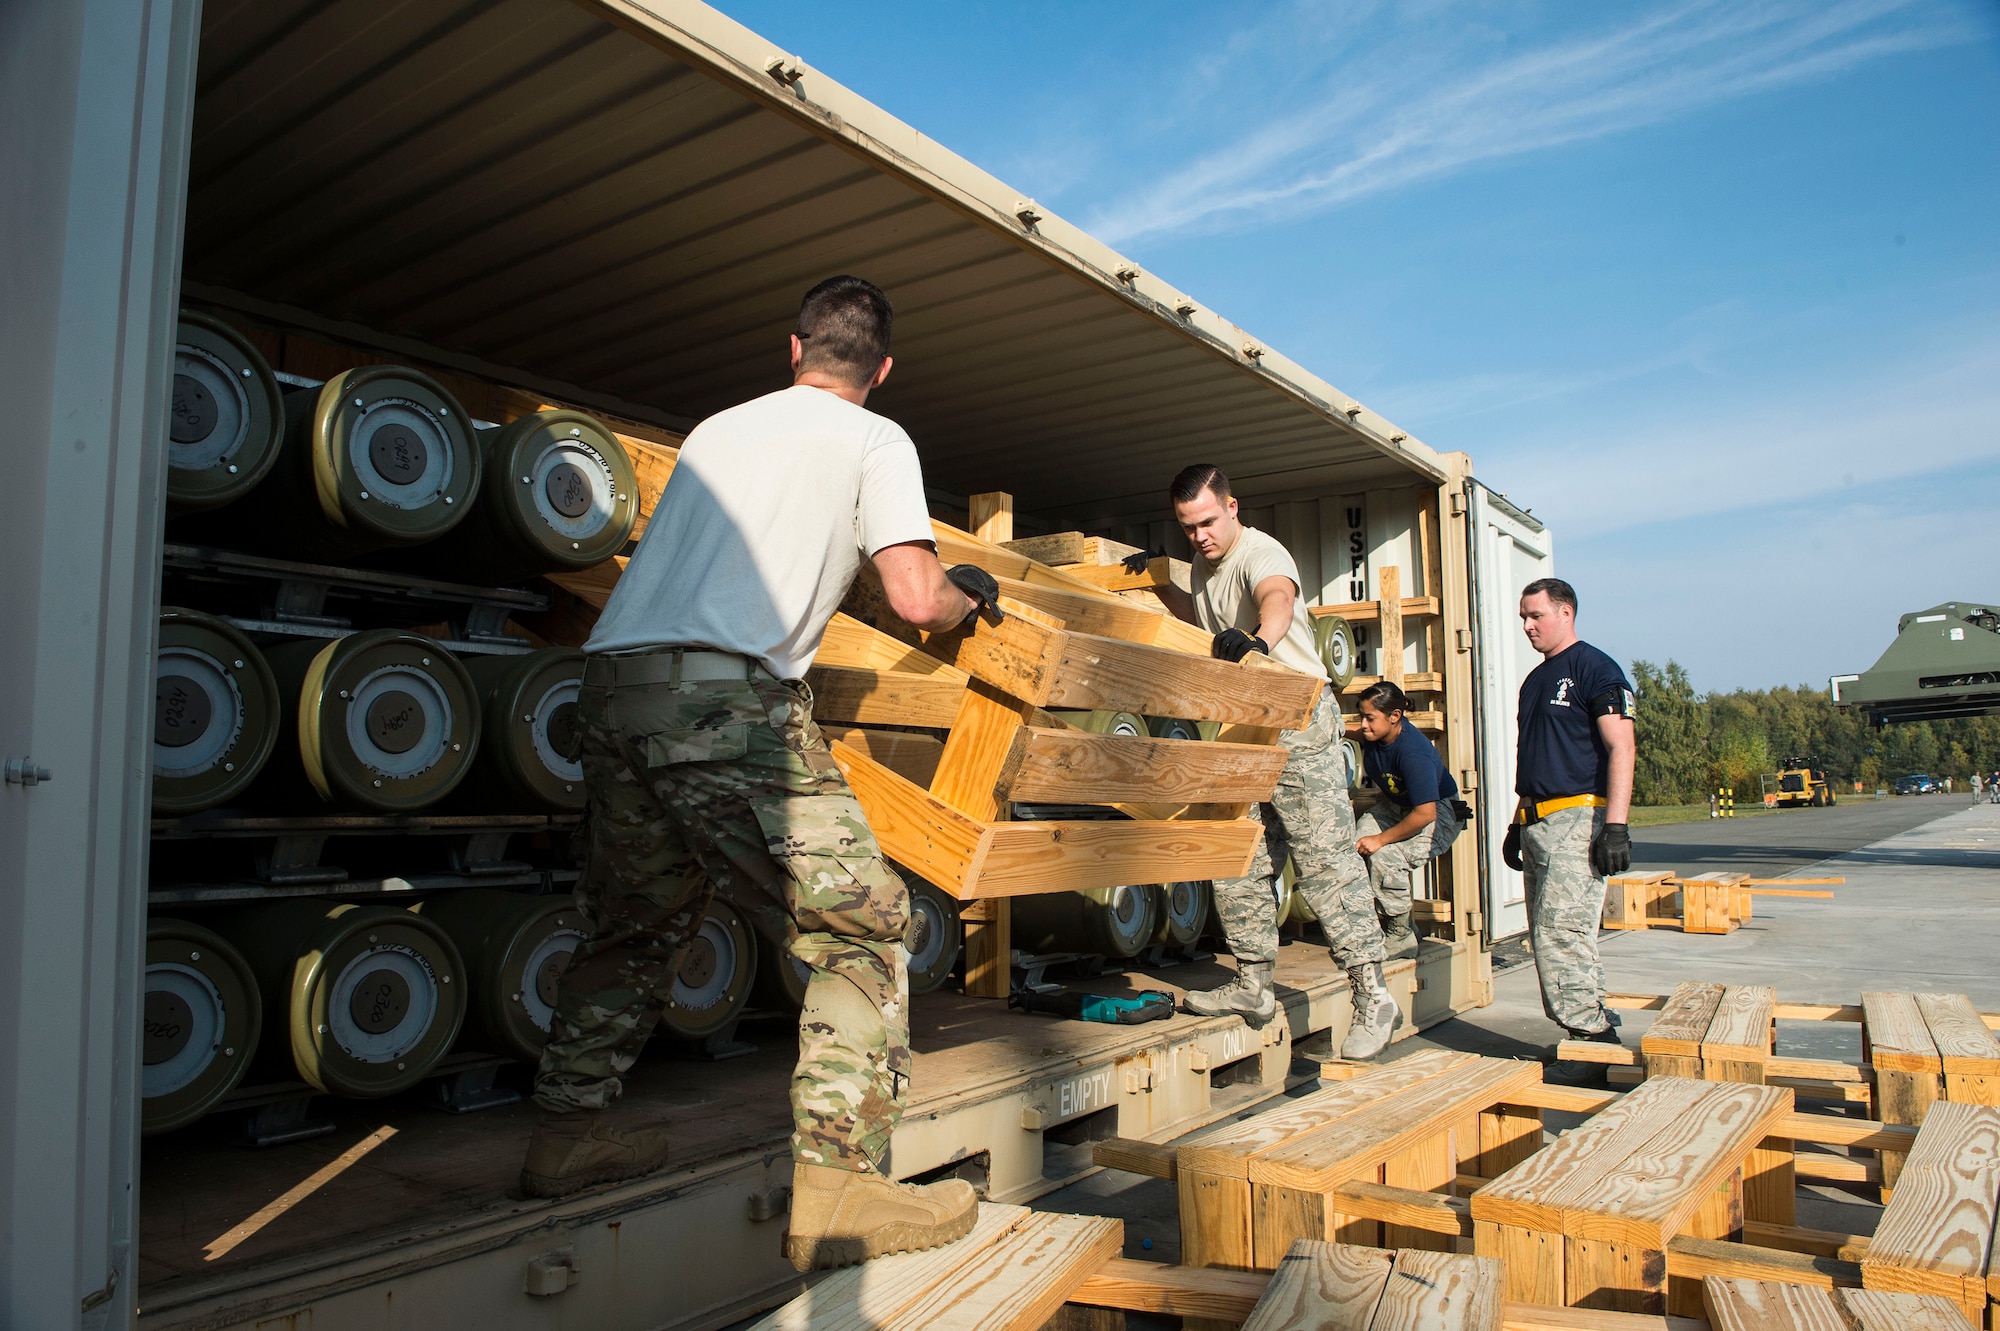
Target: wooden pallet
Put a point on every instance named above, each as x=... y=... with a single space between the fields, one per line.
x=1917 y=1049
x=1713 y=905
x=1936 y=1235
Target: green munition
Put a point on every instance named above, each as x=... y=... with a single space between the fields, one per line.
x=717 y=972
x=216 y=713
x=373 y=459
x=515 y=946
x=359 y=1000
x=933 y=936
x=1944 y=662
x=1101 y=921
x=1334 y=638
x=202 y=1015
x=1183 y=910
x=227 y=421
x=378 y=720
x=558 y=495
x=528 y=736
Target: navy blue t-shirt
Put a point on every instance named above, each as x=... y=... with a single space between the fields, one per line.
x=1560 y=751
x=1407 y=769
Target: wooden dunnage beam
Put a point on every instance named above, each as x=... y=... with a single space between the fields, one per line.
x=972 y=858
x=1391 y=580
x=1110 y=617
x=1018 y=1283
x=912 y=757
x=1909 y=1071
x=1742 y=1304
x=1177 y=1291
x=849 y=696
x=872 y=1294
x=1968 y=1053
x=1052 y=667
x=1363 y=612
x=1937 y=1231
x=1076 y=767
x=1672 y=1045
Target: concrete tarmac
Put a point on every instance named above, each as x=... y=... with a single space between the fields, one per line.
x=1920 y=911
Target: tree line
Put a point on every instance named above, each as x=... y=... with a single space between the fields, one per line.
x=1691 y=744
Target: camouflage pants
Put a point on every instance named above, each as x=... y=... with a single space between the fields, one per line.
x=1565 y=904
x=1310 y=820
x=727 y=784
x=1392 y=870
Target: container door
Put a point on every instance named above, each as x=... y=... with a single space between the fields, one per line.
x=97 y=101
x=1509 y=551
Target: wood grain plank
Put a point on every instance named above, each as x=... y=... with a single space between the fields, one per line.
x=1441 y=1291
x=1963 y=1043
x=1066 y=766
x=1647 y=1198
x=1937 y=1230
x=865 y=1297
x=1230 y=1148
x=981 y=737
x=1344 y=1148
x=1533 y=1259
x=1672 y=1045
x=1766 y=1305
x=1879 y=1310
x=1018 y=1283
x=1323 y=1285
x=884 y=697
x=913 y=827
x=1111 y=617
x=1176 y=1291
x=1389 y=580
x=1022 y=858
x=1542 y=1317
x=1532 y=1195
x=1422 y=1166
x=1154 y=1159
x=1741 y=1029
x=1898 y=1038
x=1431 y=1212
x=1691 y=1258
x=912 y=757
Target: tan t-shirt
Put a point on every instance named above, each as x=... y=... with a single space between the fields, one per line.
x=1225 y=596
x=771 y=509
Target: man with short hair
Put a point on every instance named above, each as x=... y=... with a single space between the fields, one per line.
x=704 y=770
x=1246 y=592
x=1573 y=774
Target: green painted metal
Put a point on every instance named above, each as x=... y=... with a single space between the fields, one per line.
x=202 y=1014
x=528 y=734
x=227 y=419
x=216 y=713
x=363 y=1000
x=716 y=976
x=1944 y=662
x=515 y=946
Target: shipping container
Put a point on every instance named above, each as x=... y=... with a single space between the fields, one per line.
x=612 y=206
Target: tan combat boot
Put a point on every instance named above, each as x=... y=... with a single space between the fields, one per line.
x=840 y=1217
x=573 y=1151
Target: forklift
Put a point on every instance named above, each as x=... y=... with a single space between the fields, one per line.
x=1801 y=785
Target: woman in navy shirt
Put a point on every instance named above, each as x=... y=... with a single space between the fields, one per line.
x=1416 y=818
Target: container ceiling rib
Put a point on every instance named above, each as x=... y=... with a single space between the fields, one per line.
x=619 y=203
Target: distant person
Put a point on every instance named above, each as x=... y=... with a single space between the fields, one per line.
x=1947 y=785
x=1573 y=775
x=1246 y=593
x=1416 y=819
x=704 y=770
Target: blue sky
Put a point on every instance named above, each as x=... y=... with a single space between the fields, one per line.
x=1713 y=288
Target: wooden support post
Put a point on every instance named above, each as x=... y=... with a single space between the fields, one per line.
x=1909 y=1072
x=967 y=777
x=991 y=516
x=1390 y=590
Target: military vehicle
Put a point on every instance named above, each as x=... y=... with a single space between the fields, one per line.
x=1945 y=662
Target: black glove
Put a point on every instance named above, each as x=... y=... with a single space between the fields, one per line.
x=1611 y=850
x=1136 y=563
x=1235 y=644
x=980 y=585
x=1510 y=847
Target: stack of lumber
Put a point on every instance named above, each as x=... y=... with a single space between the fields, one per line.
x=940 y=805
x=1936 y=1236
x=1717 y=904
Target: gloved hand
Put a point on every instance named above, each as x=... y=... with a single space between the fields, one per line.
x=1611 y=850
x=1235 y=644
x=980 y=585
x=1136 y=563
x=1510 y=847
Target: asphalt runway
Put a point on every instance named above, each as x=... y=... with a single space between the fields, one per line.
x=1788 y=840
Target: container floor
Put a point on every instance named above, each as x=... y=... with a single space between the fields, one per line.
x=437 y=1170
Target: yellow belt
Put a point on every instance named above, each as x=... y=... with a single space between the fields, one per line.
x=1547 y=807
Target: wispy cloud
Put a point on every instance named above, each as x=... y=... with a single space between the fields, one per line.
x=1427 y=105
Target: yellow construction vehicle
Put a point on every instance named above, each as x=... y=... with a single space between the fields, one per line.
x=1800 y=784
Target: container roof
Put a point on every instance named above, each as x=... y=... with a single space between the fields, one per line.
x=620 y=203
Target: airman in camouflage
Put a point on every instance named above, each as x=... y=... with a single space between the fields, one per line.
x=728 y=784
x=1393 y=867
x=1309 y=820
x=1565 y=902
